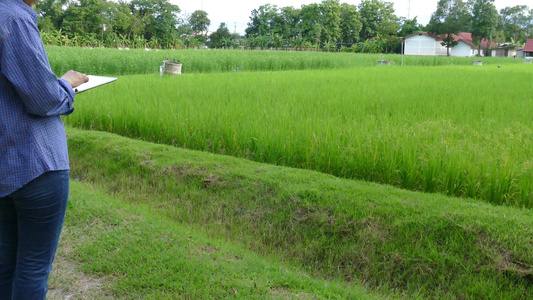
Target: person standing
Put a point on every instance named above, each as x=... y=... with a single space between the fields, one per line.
x=34 y=176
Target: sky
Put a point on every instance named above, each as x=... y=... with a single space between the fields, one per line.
x=236 y=13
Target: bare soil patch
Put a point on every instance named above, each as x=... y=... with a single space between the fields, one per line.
x=67 y=281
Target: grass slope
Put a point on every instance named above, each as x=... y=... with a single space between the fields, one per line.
x=392 y=240
x=143 y=256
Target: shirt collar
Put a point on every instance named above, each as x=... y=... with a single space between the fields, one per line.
x=19 y=4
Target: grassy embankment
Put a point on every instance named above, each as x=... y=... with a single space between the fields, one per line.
x=463 y=130
x=392 y=240
x=127 y=251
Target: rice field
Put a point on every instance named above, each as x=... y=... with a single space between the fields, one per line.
x=458 y=130
x=102 y=61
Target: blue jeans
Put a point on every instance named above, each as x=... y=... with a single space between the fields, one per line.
x=30 y=224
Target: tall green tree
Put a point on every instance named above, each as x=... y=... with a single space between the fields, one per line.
x=409 y=26
x=378 y=18
x=311 y=25
x=160 y=18
x=85 y=17
x=121 y=18
x=290 y=22
x=350 y=25
x=450 y=18
x=218 y=38
x=485 y=18
x=264 y=20
x=199 y=21
x=50 y=13
x=184 y=28
x=330 y=19
x=515 y=22
x=530 y=25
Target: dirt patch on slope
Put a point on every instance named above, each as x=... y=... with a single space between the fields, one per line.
x=67 y=281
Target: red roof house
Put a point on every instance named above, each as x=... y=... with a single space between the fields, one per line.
x=423 y=43
x=528 y=49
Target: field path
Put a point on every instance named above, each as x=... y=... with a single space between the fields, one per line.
x=67 y=281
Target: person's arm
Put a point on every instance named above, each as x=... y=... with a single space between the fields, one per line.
x=25 y=65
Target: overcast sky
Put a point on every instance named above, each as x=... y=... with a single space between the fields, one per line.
x=236 y=13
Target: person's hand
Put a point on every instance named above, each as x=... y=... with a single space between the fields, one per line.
x=75 y=78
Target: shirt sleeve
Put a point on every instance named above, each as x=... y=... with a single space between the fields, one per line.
x=25 y=65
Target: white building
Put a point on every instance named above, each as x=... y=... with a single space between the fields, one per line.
x=422 y=43
x=506 y=50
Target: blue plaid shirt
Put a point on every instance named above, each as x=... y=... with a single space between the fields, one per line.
x=32 y=98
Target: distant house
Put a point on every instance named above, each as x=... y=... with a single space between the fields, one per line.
x=506 y=50
x=528 y=49
x=422 y=43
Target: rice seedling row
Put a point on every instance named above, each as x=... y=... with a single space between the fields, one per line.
x=102 y=61
x=463 y=131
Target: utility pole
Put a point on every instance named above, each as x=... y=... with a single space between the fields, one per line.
x=234 y=27
x=403 y=47
x=409 y=10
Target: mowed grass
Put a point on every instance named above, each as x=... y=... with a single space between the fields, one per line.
x=463 y=131
x=130 y=252
x=101 y=61
x=399 y=243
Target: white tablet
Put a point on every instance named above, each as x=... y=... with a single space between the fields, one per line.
x=93 y=82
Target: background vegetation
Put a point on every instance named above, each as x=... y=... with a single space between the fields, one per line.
x=371 y=26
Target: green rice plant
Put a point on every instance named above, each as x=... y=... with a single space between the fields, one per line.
x=462 y=131
x=104 y=61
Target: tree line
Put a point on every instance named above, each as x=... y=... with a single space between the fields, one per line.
x=135 y=23
x=373 y=22
x=371 y=26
